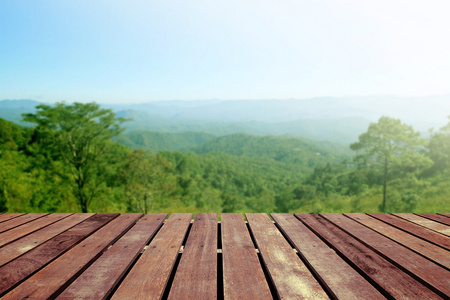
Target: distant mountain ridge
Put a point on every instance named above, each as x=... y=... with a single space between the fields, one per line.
x=339 y=120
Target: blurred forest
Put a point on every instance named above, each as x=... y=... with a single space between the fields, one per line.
x=77 y=158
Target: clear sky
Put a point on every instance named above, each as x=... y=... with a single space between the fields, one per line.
x=136 y=51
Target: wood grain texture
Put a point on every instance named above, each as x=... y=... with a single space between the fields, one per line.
x=101 y=277
x=445 y=214
x=430 y=224
x=435 y=217
x=29 y=242
x=424 y=248
x=149 y=276
x=242 y=273
x=17 y=270
x=417 y=266
x=20 y=220
x=27 y=228
x=415 y=229
x=342 y=280
x=53 y=278
x=196 y=276
x=8 y=216
x=291 y=277
x=387 y=276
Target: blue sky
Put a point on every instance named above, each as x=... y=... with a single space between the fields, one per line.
x=137 y=51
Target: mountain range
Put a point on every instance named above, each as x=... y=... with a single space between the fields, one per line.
x=338 y=120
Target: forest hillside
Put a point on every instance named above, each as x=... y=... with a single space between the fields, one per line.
x=391 y=167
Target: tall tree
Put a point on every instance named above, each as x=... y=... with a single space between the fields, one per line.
x=389 y=146
x=439 y=148
x=81 y=135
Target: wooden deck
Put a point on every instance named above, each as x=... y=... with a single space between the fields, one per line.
x=128 y=256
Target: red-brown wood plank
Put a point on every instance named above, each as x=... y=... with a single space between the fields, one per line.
x=290 y=276
x=243 y=276
x=424 y=248
x=7 y=225
x=17 y=270
x=8 y=216
x=430 y=224
x=20 y=231
x=387 y=276
x=196 y=276
x=149 y=276
x=417 y=266
x=435 y=217
x=414 y=229
x=341 y=279
x=52 y=279
x=98 y=281
x=445 y=214
x=33 y=240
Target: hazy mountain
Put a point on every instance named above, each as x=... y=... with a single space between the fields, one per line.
x=12 y=110
x=334 y=119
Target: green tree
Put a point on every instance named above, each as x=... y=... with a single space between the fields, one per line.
x=439 y=148
x=81 y=135
x=147 y=179
x=390 y=146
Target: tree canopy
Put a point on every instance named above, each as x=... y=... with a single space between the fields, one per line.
x=81 y=135
x=390 y=147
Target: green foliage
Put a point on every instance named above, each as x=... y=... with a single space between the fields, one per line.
x=164 y=141
x=81 y=134
x=237 y=173
x=439 y=148
x=147 y=181
x=390 y=147
x=304 y=155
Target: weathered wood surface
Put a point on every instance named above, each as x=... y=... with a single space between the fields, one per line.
x=103 y=275
x=25 y=229
x=289 y=274
x=131 y=256
x=341 y=280
x=424 y=248
x=196 y=276
x=435 y=217
x=243 y=276
x=150 y=275
x=433 y=225
x=418 y=266
x=377 y=270
x=415 y=229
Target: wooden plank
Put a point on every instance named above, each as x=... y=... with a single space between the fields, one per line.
x=149 y=276
x=98 y=281
x=243 y=276
x=433 y=225
x=52 y=279
x=415 y=229
x=20 y=231
x=21 y=246
x=343 y=281
x=445 y=214
x=435 y=217
x=196 y=276
x=8 y=216
x=7 y=225
x=290 y=276
x=416 y=265
x=381 y=272
x=17 y=270
x=424 y=248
